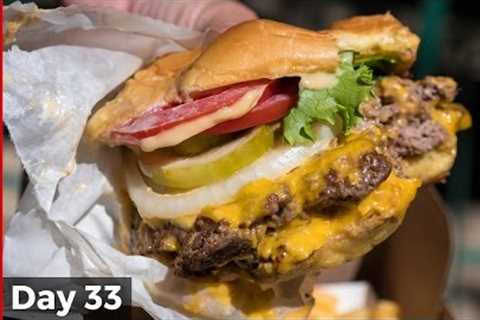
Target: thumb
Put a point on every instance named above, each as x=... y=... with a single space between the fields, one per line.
x=220 y=15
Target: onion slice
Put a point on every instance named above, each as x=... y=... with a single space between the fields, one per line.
x=278 y=161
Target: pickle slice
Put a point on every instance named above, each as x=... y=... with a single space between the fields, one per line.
x=200 y=143
x=213 y=165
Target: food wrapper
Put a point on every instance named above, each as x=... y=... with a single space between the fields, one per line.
x=58 y=65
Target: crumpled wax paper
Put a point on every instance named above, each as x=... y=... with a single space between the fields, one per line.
x=58 y=65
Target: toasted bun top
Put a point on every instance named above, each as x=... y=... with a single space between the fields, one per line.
x=268 y=49
x=377 y=35
x=260 y=49
x=250 y=51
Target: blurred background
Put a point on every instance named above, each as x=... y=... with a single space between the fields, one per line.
x=450 y=33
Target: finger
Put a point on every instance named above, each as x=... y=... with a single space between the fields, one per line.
x=120 y=5
x=216 y=15
x=220 y=15
x=198 y=14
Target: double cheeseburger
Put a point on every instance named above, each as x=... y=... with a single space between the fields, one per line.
x=277 y=150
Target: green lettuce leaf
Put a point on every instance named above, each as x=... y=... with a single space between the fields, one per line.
x=354 y=85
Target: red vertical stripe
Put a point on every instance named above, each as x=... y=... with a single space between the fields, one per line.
x=1 y=162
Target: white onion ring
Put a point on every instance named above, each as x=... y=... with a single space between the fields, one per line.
x=153 y=205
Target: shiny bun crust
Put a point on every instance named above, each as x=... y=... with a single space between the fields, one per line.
x=259 y=49
x=378 y=35
x=268 y=49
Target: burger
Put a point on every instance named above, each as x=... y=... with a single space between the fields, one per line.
x=275 y=150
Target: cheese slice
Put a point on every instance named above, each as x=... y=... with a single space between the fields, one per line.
x=300 y=238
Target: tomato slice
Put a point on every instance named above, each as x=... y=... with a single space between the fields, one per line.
x=277 y=99
x=161 y=118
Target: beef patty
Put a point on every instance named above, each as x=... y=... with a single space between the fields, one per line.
x=403 y=107
x=415 y=135
x=209 y=246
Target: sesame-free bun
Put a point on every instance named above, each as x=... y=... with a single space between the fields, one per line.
x=378 y=35
x=260 y=49
x=269 y=49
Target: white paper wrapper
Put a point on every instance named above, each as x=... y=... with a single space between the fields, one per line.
x=62 y=64
x=140 y=36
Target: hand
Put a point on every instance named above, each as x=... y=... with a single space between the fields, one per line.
x=201 y=15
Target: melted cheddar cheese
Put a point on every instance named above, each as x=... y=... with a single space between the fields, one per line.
x=248 y=205
x=452 y=116
x=242 y=295
x=298 y=240
x=225 y=299
x=303 y=183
